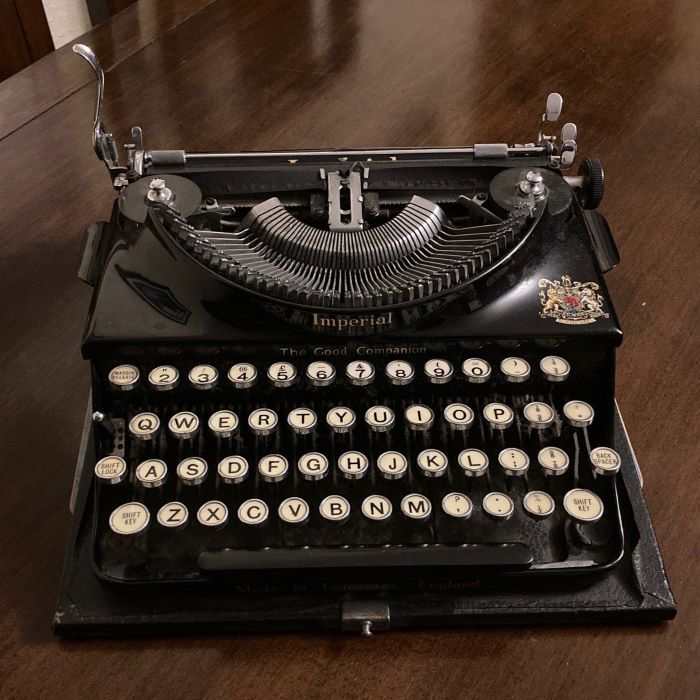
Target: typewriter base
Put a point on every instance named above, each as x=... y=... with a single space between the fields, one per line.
x=637 y=590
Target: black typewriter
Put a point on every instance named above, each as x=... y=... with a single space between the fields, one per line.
x=354 y=389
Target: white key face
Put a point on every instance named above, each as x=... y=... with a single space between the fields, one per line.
x=144 y=426
x=163 y=378
x=497 y=505
x=273 y=468
x=111 y=470
x=514 y=461
x=538 y=504
x=129 y=519
x=379 y=418
x=151 y=473
x=233 y=469
x=416 y=506
x=253 y=512
x=554 y=368
x=457 y=505
x=474 y=462
x=583 y=505
x=173 y=515
x=419 y=417
x=432 y=462
x=294 y=511
x=515 y=369
x=498 y=415
x=313 y=466
x=335 y=509
x=476 y=370
x=203 y=377
x=578 y=413
x=192 y=471
x=183 y=425
x=282 y=374
x=400 y=372
x=223 y=424
x=438 y=371
x=243 y=375
x=262 y=421
x=392 y=465
x=360 y=373
x=459 y=416
x=302 y=420
x=123 y=377
x=605 y=460
x=213 y=514
x=320 y=373
x=353 y=464
x=553 y=460
x=376 y=507
x=340 y=419
x=539 y=415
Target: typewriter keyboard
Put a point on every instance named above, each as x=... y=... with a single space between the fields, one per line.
x=434 y=465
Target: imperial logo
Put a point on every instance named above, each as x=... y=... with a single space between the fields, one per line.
x=342 y=322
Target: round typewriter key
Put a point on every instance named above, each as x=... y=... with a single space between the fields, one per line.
x=123 y=377
x=340 y=419
x=497 y=505
x=360 y=373
x=473 y=462
x=554 y=368
x=129 y=519
x=111 y=470
x=457 y=505
x=223 y=424
x=233 y=469
x=539 y=415
x=192 y=471
x=432 y=463
x=419 y=417
x=379 y=418
x=515 y=369
x=458 y=416
x=144 y=426
x=173 y=515
x=583 y=505
x=282 y=374
x=320 y=373
x=578 y=413
x=514 y=461
x=253 y=512
x=605 y=460
x=476 y=370
x=538 y=504
x=376 y=507
x=213 y=514
x=273 y=468
x=294 y=511
x=438 y=371
x=203 y=377
x=335 y=509
x=392 y=465
x=183 y=425
x=163 y=378
x=498 y=415
x=151 y=473
x=313 y=466
x=553 y=460
x=262 y=421
x=399 y=372
x=302 y=420
x=416 y=506
x=353 y=464
x=242 y=375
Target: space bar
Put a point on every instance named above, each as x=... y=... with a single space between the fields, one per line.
x=511 y=556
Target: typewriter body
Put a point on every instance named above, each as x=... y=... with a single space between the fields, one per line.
x=354 y=389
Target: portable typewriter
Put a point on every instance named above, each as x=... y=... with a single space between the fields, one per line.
x=354 y=389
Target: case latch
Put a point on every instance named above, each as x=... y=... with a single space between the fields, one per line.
x=365 y=617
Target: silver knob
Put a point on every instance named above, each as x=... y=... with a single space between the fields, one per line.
x=158 y=191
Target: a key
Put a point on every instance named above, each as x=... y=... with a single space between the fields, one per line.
x=233 y=469
x=438 y=371
x=379 y=418
x=578 y=413
x=360 y=372
x=192 y=471
x=553 y=460
x=539 y=415
x=163 y=378
x=353 y=465
x=253 y=512
x=302 y=420
x=399 y=372
x=458 y=416
x=273 y=468
x=144 y=426
x=498 y=415
x=416 y=506
x=419 y=417
x=263 y=421
x=605 y=460
x=583 y=505
x=515 y=369
x=183 y=425
x=213 y=514
x=334 y=508
x=223 y=424
x=432 y=463
x=340 y=419
x=320 y=373
x=173 y=515
x=282 y=374
x=242 y=375
x=203 y=377
x=376 y=507
x=392 y=465
x=293 y=510
x=474 y=462
x=476 y=370
x=554 y=368
x=538 y=504
x=123 y=377
x=514 y=461
x=498 y=506
x=457 y=505
x=111 y=469
x=313 y=466
x=151 y=473
x=129 y=519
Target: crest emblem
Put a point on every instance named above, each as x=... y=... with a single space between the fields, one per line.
x=567 y=301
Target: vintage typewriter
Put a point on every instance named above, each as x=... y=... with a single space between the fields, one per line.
x=354 y=389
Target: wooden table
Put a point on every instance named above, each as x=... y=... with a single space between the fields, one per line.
x=257 y=74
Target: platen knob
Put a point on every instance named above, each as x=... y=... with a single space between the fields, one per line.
x=591 y=193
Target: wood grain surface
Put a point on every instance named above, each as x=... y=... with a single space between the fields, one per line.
x=270 y=74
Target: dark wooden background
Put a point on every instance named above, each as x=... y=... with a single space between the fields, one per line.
x=254 y=74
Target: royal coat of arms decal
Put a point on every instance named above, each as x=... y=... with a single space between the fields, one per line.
x=571 y=302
